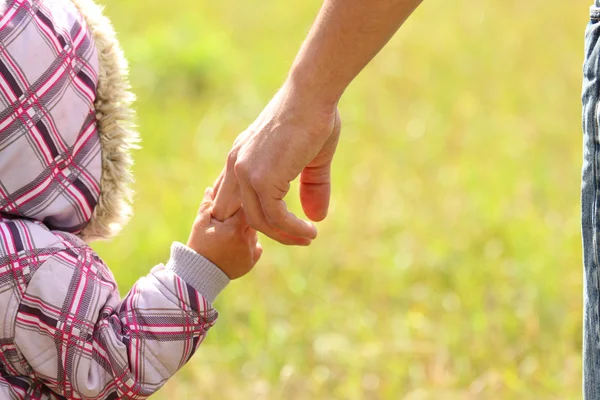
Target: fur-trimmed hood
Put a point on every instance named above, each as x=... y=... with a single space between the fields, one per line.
x=66 y=122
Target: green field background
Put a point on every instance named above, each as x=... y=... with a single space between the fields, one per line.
x=450 y=264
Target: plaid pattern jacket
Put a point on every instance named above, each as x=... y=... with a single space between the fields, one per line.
x=65 y=332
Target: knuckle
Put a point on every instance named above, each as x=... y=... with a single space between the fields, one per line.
x=232 y=157
x=257 y=178
x=240 y=139
x=241 y=168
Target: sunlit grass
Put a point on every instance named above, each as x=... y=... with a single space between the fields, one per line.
x=450 y=264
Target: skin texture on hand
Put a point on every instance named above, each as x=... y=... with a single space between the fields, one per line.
x=297 y=133
x=260 y=168
x=231 y=245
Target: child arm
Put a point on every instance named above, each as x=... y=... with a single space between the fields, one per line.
x=83 y=341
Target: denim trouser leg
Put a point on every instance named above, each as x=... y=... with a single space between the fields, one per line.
x=590 y=207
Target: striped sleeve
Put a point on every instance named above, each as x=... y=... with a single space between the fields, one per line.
x=84 y=342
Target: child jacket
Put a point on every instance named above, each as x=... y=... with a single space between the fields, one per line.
x=65 y=137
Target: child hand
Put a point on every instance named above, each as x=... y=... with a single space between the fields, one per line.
x=231 y=245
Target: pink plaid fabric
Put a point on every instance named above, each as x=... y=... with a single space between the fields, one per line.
x=48 y=78
x=65 y=333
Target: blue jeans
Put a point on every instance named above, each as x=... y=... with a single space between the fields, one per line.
x=590 y=207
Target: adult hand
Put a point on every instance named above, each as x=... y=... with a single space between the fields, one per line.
x=292 y=136
x=298 y=131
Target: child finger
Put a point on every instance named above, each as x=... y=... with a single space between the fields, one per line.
x=258 y=250
x=251 y=234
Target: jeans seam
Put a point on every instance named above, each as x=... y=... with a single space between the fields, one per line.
x=596 y=125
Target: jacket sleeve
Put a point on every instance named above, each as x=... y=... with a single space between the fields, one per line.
x=84 y=342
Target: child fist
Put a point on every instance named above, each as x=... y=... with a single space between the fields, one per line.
x=231 y=245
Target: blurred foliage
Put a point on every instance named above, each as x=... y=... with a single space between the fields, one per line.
x=450 y=264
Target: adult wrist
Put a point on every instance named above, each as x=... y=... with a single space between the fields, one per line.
x=306 y=87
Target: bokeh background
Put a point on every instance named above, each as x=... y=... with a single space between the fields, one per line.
x=450 y=264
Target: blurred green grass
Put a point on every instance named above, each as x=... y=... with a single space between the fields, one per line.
x=450 y=264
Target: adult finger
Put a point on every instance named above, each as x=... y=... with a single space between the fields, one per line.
x=315 y=179
x=206 y=204
x=227 y=200
x=256 y=218
x=278 y=216
x=219 y=181
x=231 y=158
x=315 y=191
x=237 y=221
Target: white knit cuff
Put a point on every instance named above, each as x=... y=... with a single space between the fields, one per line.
x=197 y=271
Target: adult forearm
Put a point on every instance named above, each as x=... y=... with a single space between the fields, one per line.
x=297 y=133
x=346 y=35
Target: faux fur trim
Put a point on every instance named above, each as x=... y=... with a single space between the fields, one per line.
x=116 y=128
